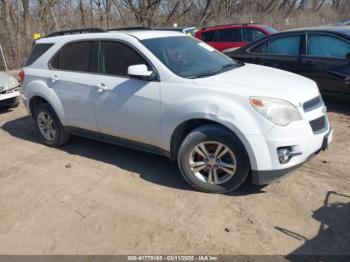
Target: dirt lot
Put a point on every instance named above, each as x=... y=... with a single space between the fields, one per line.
x=94 y=198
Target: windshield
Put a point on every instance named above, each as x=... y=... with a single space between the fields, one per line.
x=188 y=57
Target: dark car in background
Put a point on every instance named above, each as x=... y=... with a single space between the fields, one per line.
x=226 y=38
x=322 y=54
x=345 y=23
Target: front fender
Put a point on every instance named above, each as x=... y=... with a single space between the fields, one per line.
x=235 y=115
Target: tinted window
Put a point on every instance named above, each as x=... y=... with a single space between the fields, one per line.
x=37 y=51
x=73 y=57
x=115 y=58
x=289 y=45
x=228 y=35
x=327 y=46
x=250 y=35
x=208 y=36
x=55 y=61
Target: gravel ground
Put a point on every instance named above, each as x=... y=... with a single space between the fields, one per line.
x=89 y=197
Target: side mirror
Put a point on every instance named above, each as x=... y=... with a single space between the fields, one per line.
x=141 y=72
x=348 y=56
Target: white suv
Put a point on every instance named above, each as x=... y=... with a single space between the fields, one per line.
x=171 y=94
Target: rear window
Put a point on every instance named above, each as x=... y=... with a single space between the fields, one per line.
x=73 y=57
x=37 y=51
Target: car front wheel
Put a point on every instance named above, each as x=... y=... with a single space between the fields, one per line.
x=212 y=159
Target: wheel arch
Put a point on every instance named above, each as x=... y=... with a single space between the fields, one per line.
x=184 y=128
x=38 y=92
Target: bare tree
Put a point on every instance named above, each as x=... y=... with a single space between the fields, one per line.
x=21 y=18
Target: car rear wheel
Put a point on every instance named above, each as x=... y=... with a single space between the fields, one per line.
x=212 y=159
x=49 y=127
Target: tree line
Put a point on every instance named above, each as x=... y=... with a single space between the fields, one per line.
x=21 y=18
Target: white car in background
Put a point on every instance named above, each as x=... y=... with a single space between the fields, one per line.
x=171 y=94
x=9 y=91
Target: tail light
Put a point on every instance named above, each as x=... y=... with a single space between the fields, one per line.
x=21 y=76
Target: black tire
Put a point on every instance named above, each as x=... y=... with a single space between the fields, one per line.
x=222 y=135
x=61 y=136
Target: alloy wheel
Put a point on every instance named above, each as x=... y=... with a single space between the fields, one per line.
x=46 y=126
x=212 y=162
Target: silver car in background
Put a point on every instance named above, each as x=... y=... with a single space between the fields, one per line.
x=9 y=91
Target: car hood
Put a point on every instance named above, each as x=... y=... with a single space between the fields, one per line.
x=7 y=82
x=254 y=80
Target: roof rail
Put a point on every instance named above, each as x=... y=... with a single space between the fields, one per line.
x=76 y=31
x=129 y=28
x=248 y=23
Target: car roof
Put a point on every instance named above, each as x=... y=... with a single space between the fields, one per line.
x=332 y=29
x=233 y=25
x=139 y=34
x=148 y=34
x=170 y=28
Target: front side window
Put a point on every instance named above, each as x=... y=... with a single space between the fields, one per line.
x=250 y=35
x=327 y=46
x=73 y=57
x=288 y=45
x=228 y=35
x=188 y=57
x=115 y=58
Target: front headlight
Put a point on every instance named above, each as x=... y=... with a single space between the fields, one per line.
x=278 y=111
x=13 y=83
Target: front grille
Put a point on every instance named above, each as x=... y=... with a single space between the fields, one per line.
x=312 y=104
x=318 y=125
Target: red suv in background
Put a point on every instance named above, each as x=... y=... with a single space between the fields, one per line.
x=226 y=38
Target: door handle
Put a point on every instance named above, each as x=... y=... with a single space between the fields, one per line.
x=101 y=87
x=54 y=78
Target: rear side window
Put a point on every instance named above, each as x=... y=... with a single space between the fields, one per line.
x=115 y=58
x=288 y=45
x=327 y=46
x=73 y=57
x=228 y=35
x=37 y=51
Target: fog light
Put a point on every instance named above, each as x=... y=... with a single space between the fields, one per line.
x=285 y=154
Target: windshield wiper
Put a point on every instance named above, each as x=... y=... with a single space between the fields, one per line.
x=228 y=66
x=215 y=72
x=202 y=75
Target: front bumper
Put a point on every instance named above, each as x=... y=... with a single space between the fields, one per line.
x=9 y=94
x=266 y=177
